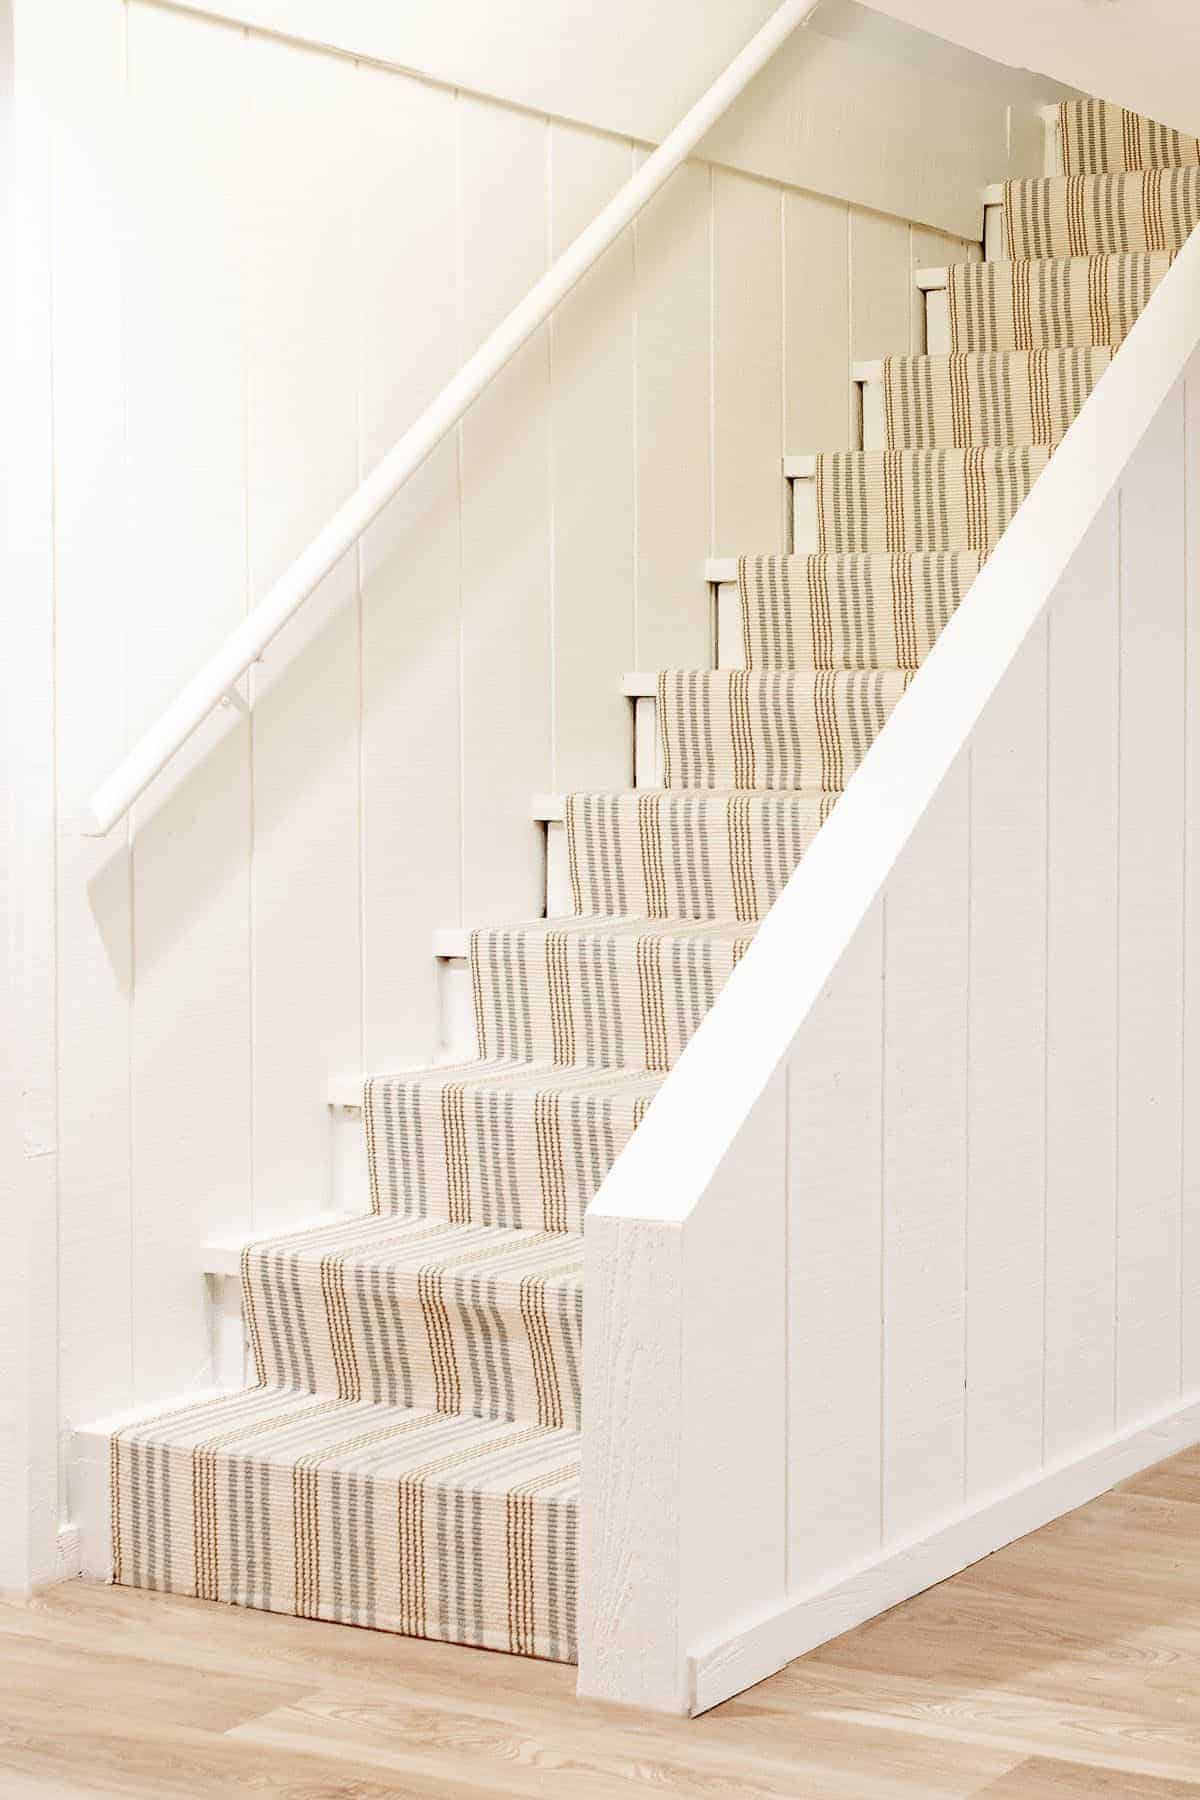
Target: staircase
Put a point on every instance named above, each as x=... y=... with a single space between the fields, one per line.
x=409 y=1457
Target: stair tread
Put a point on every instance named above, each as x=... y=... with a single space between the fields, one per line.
x=262 y=1423
x=406 y=1248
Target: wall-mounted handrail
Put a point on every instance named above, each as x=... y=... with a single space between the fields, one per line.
x=205 y=691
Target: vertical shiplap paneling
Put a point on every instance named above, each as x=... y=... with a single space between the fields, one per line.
x=880 y=286
x=673 y=345
x=1081 y=998
x=816 y=324
x=1149 y=1118
x=926 y=983
x=411 y=728
x=305 y=154
x=835 y=1083
x=504 y=239
x=929 y=249
x=749 y=503
x=592 y=440
x=1006 y=1104
x=185 y=380
x=94 y=924
x=734 y=1478
x=1190 y=1251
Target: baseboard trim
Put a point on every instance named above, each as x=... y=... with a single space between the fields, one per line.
x=760 y=1646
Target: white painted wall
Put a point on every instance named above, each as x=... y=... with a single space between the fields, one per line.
x=28 y=1084
x=1144 y=54
x=829 y=114
x=260 y=259
x=903 y=1260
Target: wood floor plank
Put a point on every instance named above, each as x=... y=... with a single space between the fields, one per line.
x=1063 y=1666
x=1042 y=1778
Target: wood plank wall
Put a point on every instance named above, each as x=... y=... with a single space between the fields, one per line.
x=991 y=1161
x=266 y=259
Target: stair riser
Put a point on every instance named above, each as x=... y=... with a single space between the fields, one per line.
x=938 y=501
x=1097 y=138
x=728 y=858
x=772 y=731
x=482 y=1341
x=570 y=998
x=1101 y=215
x=850 y=613
x=977 y=401
x=531 y=1158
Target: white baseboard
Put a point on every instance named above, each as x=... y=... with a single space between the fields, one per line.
x=760 y=1646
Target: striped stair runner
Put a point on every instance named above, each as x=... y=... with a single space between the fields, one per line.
x=409 y=1456
x=1056 y=304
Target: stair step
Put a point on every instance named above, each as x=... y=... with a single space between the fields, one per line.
x=976 y=398
x=432 y=1524
x=422 y=1312
x=683 y=855
x=850 y=612
x=605 y=994
x=803 y=729
x=873 y=502
x=1098 y=138
x=501 y=1143
x=1101 y=215
x=1056 y=303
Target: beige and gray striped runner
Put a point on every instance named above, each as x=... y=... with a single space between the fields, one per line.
x=1097 y=138
x=418 y=1312
x=611 y=993
x=986 y=397
x=1084 y=301
x=515 y=1144
x=800 y=729
x=685 y=855
x=1101 y=215
x=889 y=501
x=435 y=1525
x=849 y=612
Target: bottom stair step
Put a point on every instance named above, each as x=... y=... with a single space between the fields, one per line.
x=423 y=1523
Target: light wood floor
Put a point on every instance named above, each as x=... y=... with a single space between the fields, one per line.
x=1066 y=1666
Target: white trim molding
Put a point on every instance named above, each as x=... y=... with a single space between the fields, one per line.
x=758 y=1647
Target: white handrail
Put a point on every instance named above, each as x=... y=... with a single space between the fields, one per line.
x=155 y=748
